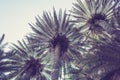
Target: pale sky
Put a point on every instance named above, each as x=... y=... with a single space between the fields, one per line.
x=16 y=14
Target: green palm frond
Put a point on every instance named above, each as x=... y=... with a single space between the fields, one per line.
x=2 y=38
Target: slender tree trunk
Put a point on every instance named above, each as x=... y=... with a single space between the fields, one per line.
x=55 y=72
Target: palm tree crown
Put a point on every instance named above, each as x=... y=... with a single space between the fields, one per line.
x=51 y=31
x=92 y=16
x=29 y=63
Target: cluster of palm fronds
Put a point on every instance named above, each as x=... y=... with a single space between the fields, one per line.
x=81 y=45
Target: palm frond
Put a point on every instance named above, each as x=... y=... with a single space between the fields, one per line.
x=2 y=38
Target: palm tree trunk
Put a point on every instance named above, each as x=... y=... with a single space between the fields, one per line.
x=55 y=72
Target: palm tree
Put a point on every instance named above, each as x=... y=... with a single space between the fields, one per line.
x=113 y=51
x=105 y=57
x=28 y=63
x=93 y=17
x=56 y=35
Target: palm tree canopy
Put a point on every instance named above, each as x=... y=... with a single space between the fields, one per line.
x=93 y=16
x=51 y=30
x=29 y=63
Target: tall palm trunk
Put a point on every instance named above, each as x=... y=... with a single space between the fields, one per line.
x=55 y=72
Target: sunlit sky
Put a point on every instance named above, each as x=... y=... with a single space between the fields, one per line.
x=16 y=14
